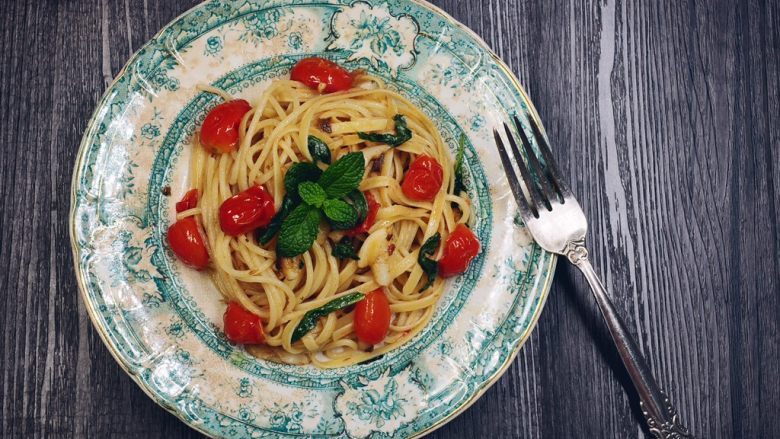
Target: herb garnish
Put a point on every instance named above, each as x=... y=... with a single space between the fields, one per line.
x=459 y=186
x=319 y=150
x=345 y=249
x=358 y=200
x=429 y=266
x=311 y=193
x=344 y=176
x=341 y=215
x=299 y=230
x=297 y=174
x=264 y=236
x=318 y=194
x=310 y=319
x=402 y=133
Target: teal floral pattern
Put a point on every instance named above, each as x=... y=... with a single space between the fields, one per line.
x=378 y=33
x=381 y=405
x=164 y=321
x=150 y=131
x=372 y=33
x=287 y=418
x=244 y=388
x=478 y=122
x=214 y=46
x=175 y=330
x=261 y=26
x=129 y=255
x=378 y=408
x=295 y=41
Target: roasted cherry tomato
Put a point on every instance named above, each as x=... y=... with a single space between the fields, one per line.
x=188 y=201
x=241 y=326
x=372 y=317
x=219 y=132
x=459 y=250
x=423 y=179
x=321 y=75
x=186 y=241
x=246 y=211
x=373 y=208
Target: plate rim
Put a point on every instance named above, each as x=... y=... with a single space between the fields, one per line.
x=101 y=330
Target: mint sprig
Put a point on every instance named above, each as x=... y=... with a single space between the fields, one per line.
x=264 y=236
x=341 y=215
x=297 y=174
x=299 y=230
x=319 y=194
x=312 y=194
x=344 y=176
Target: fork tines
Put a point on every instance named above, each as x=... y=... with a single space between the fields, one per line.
x=541 y=178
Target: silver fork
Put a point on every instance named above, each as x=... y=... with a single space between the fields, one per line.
x=558 y=225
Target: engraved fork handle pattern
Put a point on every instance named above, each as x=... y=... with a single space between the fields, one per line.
x=662 y=418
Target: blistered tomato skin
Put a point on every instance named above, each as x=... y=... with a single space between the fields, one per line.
x=187 y=243
x=246 y=211
x=219 y=132
x=423 y=180
x=242 y=326
x=461 y=248
x=372 y=317
x=188 y=201
x=322 y=75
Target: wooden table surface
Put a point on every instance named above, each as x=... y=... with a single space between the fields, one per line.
x=665 y=116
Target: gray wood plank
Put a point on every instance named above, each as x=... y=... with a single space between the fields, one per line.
x=664 y=116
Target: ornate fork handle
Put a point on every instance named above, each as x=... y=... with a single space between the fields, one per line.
x=661 y=416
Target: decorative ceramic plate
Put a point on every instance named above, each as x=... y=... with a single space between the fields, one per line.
x=162 y=322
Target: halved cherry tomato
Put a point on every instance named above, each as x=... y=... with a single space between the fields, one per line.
x=186 y=241
x=321 y=74
x=242 y=326
x=219 y=132
x=188 y=201
x=373 y=208
x=372 y=317
x=423 y=179
x=459 y=250
x=246 y=211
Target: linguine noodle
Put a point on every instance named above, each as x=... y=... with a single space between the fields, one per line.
x=273 y=136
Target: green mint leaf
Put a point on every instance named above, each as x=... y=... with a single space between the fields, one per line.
x=358 y=201
x=310 y=319
x=311 y=193
x=340 y=214
x=265 y=235
x=343 y=176
x=459 y=186
x=297 y=174
x=401 y=136
x=345 y=250
x=319 y=150
x=298 y=231
x=429 y=266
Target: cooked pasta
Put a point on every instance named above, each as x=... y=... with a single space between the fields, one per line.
x=273 y=135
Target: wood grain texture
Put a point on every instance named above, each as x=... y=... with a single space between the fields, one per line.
x=665 y=116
